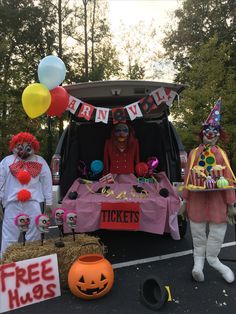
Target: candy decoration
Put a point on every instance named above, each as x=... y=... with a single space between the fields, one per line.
x=152 y=163
x=222 y=182
x=141 y=169
x=42 y=223
x=96 y=166
x=70 y=218
x=22 y=221
x=210 y=183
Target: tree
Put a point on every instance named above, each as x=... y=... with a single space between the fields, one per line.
x=202 y=45
x=26 y=34
x=193 y=24
x=93 y=56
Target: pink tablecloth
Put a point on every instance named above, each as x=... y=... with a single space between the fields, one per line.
x=158 y=214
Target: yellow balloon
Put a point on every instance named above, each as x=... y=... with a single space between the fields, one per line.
x=36 y=100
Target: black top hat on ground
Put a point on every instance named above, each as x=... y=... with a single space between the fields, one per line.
x=152 y=293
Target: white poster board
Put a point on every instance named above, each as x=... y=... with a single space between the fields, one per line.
x=28 y=282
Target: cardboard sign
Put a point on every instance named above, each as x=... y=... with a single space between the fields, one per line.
x=29 y=281
x=120 y=216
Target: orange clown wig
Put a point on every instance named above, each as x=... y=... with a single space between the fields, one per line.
x=24 y=137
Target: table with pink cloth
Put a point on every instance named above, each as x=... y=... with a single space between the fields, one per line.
x=158 y=214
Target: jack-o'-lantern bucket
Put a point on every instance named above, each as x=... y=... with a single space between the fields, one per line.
x=91 y=276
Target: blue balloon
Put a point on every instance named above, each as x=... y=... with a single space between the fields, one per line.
x=51 y=71
x=96 y=166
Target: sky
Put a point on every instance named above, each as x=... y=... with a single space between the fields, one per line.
x=131 y=12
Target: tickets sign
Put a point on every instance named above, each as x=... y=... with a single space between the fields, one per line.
x=28 y=282
x=120 y=216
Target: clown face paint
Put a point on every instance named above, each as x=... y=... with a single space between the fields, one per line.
x=42 y=223
x=59 y=216
x=71 y=219
x=211 y=134
x=121 y=132
x=23 y=150
x=22 y=221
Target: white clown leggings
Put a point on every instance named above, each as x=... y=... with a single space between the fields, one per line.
x=207 y=246
x=10 y=232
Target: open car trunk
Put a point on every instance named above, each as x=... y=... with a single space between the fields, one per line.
x=85 y=142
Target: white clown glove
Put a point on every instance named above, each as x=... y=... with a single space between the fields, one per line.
x=183 y=209
x=231 y=214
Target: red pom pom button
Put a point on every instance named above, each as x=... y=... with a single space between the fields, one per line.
x=23 y=195
x=23 y=177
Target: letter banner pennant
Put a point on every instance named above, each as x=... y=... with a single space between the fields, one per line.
x=118 y=115
x=147 y=104
x=134 y=110
x=165 y=95
x=73 y=104
x=102 y=115
x=86 y=111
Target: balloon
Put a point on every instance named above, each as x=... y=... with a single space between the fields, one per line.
x=51 y=71
x=36 y=100
x=152 y=163
x=96 y=166
x=59 y=101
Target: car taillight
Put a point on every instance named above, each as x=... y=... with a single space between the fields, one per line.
x=55 y=168
x=183 y=159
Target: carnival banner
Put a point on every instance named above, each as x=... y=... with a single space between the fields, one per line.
x=132 y=111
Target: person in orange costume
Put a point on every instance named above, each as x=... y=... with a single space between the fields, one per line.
x=212 y=208
x=121 y=151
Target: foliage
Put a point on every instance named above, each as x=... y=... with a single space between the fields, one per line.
x=31 y=30
x=202 y=45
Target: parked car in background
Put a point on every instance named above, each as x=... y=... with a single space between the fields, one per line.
x=84 y=140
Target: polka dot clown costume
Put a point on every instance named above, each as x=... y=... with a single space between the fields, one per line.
x=25 y=182
x=212 y=209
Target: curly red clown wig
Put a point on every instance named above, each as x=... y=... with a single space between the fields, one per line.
x=24 y=137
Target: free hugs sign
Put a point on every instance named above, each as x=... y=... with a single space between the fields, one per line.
x=29 y=281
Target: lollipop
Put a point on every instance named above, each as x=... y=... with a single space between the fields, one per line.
x=71 y=220
x=96 y=166
x=22 y=221
x=42 y=223
x=152 y=163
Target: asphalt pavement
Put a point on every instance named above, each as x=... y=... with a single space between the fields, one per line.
x=138 y=255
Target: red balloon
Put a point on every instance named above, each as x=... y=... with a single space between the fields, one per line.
x=141 y=169
x=59 y=101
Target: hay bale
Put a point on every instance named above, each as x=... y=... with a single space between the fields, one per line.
x=83 y=244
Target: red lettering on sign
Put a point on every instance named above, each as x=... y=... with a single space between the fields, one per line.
x=33 y=275
x=38 y=292
x=20 y=276
x=46 y=271
x=13 y=296
x=4 y=274
x=26 y=299
x=51 y=293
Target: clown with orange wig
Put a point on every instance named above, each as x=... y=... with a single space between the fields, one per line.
x=25 y=182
